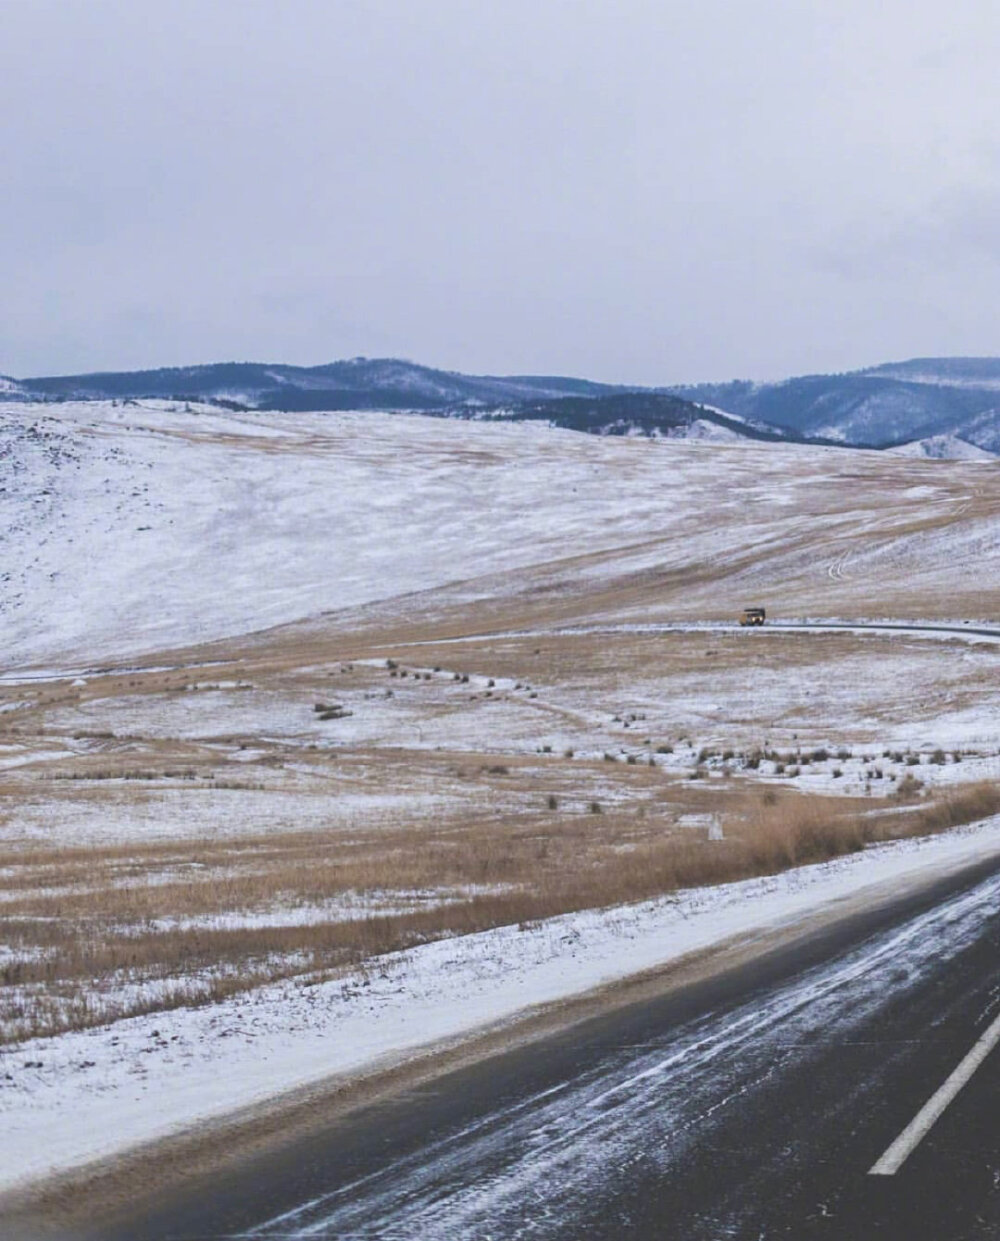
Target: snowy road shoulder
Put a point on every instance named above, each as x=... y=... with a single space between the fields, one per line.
x=77 y=1098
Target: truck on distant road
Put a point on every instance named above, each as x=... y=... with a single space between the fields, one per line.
x=753 y=616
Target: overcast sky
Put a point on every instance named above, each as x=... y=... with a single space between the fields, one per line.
x=636 y=190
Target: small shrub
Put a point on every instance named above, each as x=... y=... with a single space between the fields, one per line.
x=913 y=760
x=820 y=755
x=631 y=760
x=836 y=773
x=335 y=713
x=909 y=786
x=664 y=749
x=595 y=808
x=938 y=758
x=552 y=801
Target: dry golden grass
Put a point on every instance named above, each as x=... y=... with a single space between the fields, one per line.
x=98 y=934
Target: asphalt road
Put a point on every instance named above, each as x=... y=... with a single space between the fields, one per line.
x=751 y=1105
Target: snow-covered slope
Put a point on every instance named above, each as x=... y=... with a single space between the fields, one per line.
x=981 y=373
x=10 y=389
x=135 y=528
x=943 y=448
x=889 y=404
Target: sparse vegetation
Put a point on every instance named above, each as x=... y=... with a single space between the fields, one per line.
x=100 y=932
x=78 y=936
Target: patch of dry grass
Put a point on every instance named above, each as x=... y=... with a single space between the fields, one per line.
x=92 y=935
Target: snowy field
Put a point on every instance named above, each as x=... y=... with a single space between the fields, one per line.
x=323 y=737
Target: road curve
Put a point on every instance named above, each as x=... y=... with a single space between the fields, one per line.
x=963 y=630
x=752 y=1105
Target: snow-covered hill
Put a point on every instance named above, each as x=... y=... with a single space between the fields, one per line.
x=885 y=405
x=139 y=527
x=652 y=415
x=355 y=383
x=943 y=448
x=136 y=528
x=980 y=373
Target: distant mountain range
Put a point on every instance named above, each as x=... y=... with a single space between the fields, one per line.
x=358 y=383
x=950 y=401
x=887 y=405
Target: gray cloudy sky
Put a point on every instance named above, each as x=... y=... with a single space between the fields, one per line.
x=640 y=190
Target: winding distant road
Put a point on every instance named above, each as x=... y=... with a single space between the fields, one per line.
x=964 y=630
x=844 y=1086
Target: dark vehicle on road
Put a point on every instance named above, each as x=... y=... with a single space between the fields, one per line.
x=753 y=616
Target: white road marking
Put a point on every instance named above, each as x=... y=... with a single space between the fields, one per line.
x=921 y=1124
